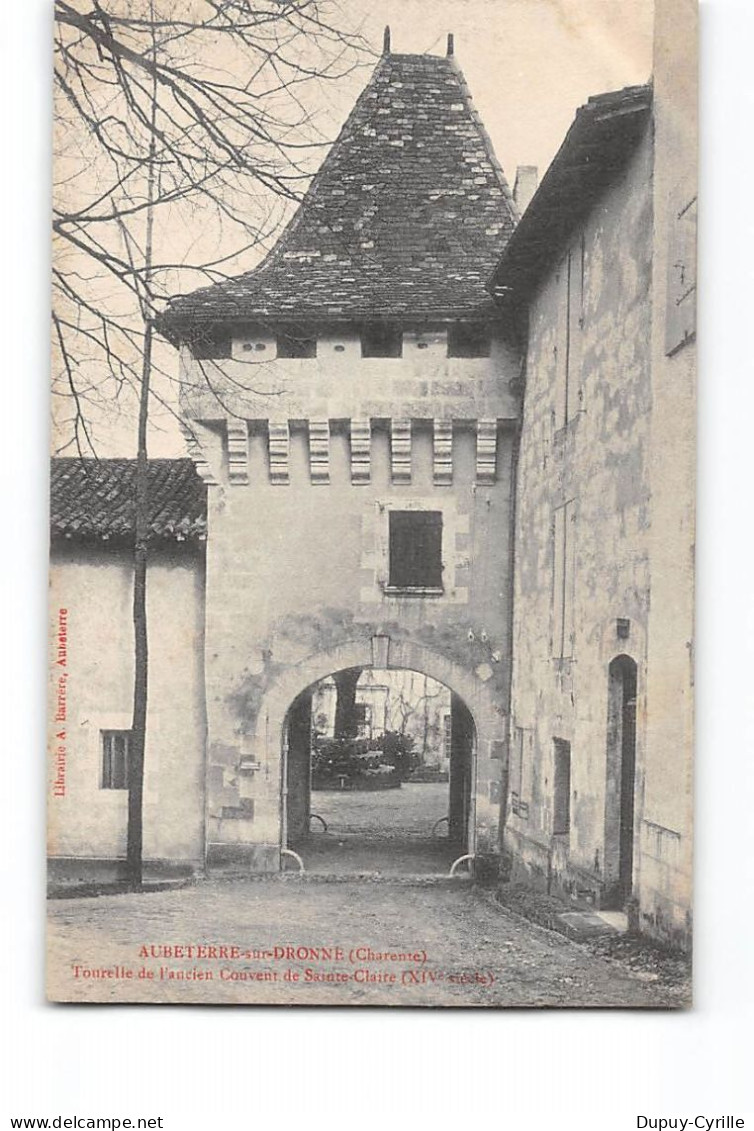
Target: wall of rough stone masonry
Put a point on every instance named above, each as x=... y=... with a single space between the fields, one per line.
x=665 y=878
x=94 y=585
x=598 y=463
x=296 y=569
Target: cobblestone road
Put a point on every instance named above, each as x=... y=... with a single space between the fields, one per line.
x=458 y=948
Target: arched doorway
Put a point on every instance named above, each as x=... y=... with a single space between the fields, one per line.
x=378 y=774
x=620 y=781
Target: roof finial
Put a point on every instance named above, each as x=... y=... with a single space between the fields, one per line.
x=450 y=43
x=386 y=41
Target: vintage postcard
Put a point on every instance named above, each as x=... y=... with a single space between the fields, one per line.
x=372 y=502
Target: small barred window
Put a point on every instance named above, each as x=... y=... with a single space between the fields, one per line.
x=115 y=745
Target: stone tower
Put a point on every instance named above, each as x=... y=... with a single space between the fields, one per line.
x=353 y=405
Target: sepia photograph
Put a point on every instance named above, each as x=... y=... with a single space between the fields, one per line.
x=372 y=503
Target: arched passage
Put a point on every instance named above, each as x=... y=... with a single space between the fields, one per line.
x=485 y=720
x=378 y=774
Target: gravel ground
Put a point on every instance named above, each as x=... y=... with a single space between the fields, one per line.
x=635 y=953
x=410 y=810
x=397 y=942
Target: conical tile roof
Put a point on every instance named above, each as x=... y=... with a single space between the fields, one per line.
x=406 y=217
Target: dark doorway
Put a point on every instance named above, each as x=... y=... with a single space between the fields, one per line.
x=460 y=777
x=620 y=782
x=379 y=774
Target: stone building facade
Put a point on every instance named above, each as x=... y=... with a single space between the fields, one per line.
x=601 y=273
x=357 y=384
x=430 y=435
x=582 y=585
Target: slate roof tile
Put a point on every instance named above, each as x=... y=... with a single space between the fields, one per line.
x=95 y=500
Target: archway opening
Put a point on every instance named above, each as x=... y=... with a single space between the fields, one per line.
x=620 y=782
x=378 y=774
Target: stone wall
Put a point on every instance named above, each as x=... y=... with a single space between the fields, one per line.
x=665 y=876
x=94 y=587
x=301 y=489
x=340 y=384
x=582 y=542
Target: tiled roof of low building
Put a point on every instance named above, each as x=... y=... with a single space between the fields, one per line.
x=406 y=217
x=95 y=500
x=603 y=135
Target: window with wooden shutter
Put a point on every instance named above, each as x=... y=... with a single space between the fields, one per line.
x=561 y=789
x=415 y=550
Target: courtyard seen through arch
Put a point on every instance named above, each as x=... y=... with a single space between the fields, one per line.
x=378 y=775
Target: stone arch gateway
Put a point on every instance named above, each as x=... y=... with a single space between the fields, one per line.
x=265 y=745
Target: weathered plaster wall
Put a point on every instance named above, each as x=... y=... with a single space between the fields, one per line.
x=598 y=463
x=94 y=585
x=665 y=878
x=296 y=571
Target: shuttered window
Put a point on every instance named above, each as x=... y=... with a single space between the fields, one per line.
x=564 y=572
x=115 y=744
x=415 y=550
x=208 y=346
x=561 y=789
x=680 y=326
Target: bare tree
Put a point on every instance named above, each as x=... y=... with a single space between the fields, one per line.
x=182 y=139
x=409 y=709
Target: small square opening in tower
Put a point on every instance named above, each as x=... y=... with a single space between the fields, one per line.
x=469 y=339
x=294 y=344
x=561 y=790
x=381 y=341
x=210 y=345
x=115 y=751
